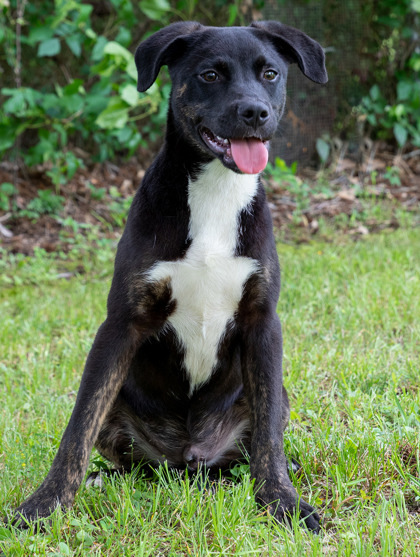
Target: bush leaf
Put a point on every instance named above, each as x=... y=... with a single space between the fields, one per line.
x=323 y=149
x=50 y=47
x=155 y=9
x=401 y=134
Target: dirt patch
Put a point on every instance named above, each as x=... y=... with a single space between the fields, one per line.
x=368 y=196
x=87 y=200
x=99 y=196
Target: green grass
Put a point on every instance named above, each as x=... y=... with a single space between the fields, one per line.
x=350 y=313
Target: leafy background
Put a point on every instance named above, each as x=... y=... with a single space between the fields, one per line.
x=76 y=136
x=69 y=94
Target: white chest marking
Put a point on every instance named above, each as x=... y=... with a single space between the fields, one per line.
x=207 y=283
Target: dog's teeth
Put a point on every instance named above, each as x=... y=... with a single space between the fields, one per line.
x=226 y=141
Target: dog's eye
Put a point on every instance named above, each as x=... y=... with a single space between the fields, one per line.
x=210 y=76
x=270 y=75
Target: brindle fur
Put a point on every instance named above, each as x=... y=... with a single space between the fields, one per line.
x=135 y=401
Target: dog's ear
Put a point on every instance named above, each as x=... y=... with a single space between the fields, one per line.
x=297 y=47
x=160 y=48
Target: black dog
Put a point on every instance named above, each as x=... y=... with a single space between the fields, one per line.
x=187 y=367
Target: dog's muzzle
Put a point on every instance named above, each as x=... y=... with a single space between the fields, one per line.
x=249 y=154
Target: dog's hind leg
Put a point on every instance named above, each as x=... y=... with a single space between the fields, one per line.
x=126 y=440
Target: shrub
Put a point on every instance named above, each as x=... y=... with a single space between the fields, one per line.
x=93 y=104
x=392 y=106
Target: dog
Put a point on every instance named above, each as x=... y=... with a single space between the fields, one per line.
x=187 y=367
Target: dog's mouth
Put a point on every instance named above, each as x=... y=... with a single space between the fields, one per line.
x=249 y=154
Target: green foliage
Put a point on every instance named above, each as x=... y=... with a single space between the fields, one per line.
x=92 y=101
x=46 y=203
x=392 y=107
x=68 y=88
x=392 y=174
x=119 y=207
x=7 y=190
x=69 y=78
x=299 y=190
x=400 y=119
x=323 y=148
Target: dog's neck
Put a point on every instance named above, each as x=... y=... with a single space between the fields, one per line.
x=216 y=197
x=193 y=174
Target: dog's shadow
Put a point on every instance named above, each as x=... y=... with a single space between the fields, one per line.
x=204 y=479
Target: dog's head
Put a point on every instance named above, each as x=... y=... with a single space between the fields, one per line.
x=229 y=84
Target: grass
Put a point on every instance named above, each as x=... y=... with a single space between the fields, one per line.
x=350 y=314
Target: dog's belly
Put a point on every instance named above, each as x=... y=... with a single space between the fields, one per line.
x=203 y=435
x=207 y=288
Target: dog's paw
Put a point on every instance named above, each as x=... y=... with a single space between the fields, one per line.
x=293 y=466
x=39 y=506
x=32 y=511
x=309 y=516
x=95 y=479
x=98 y=478
x=283 y=505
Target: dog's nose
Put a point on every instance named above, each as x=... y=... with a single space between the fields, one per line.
x=254 y=114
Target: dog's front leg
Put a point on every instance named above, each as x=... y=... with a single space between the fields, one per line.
x=262 y=371
x=105 y=371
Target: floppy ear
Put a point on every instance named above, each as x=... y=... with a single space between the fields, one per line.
x=159 y=48
x=296 y=47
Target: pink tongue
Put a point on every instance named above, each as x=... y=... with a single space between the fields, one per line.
x=250 y=155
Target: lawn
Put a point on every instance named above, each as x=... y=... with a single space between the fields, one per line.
x=350 y=313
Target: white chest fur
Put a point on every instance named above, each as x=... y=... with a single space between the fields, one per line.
x=208 y=282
